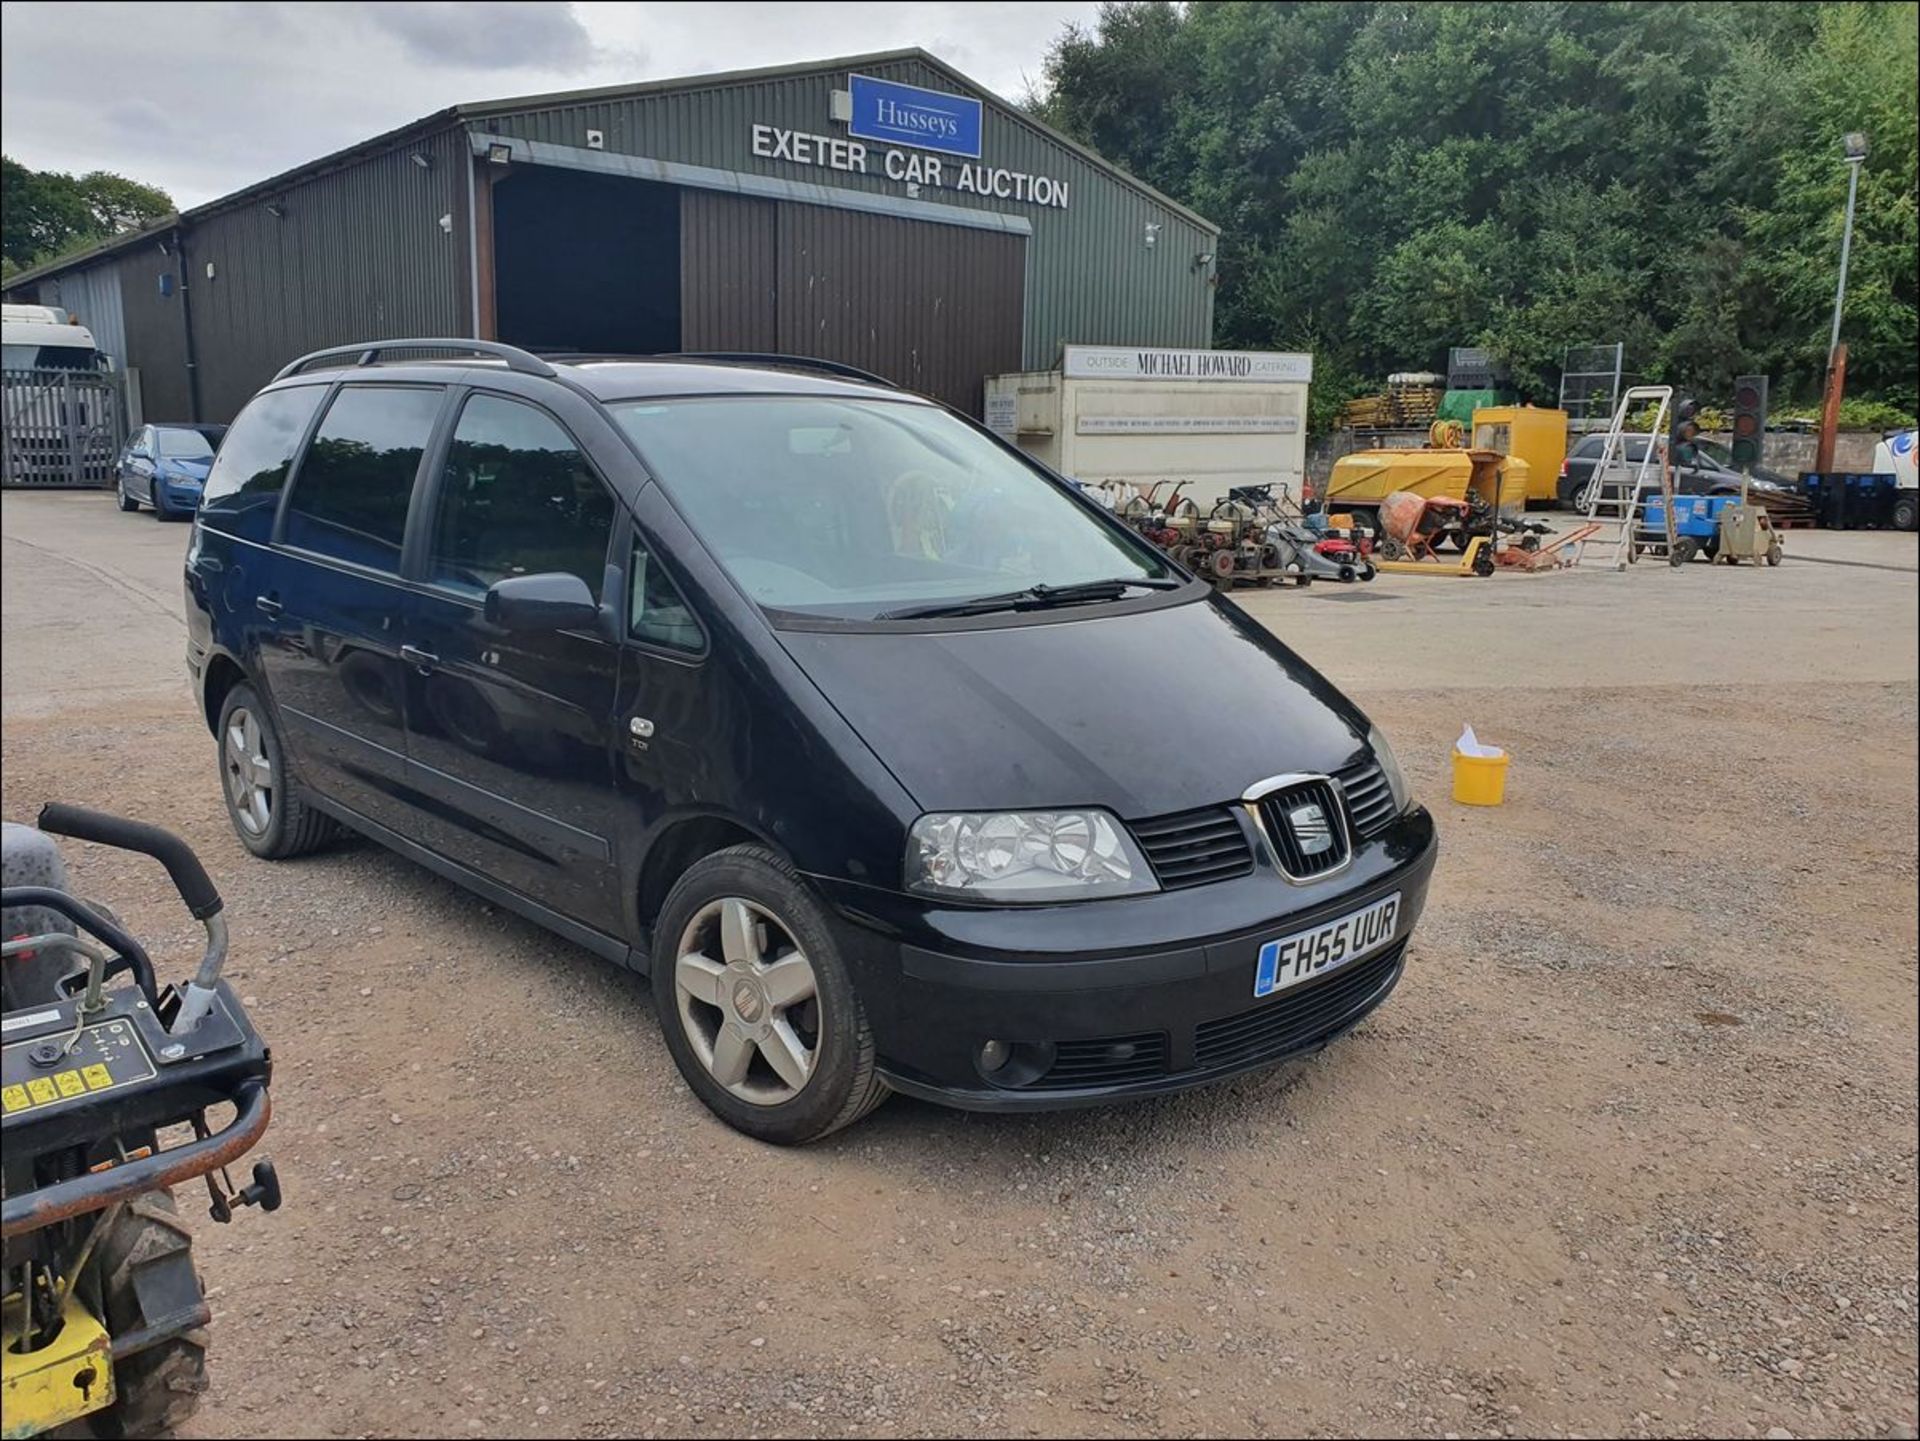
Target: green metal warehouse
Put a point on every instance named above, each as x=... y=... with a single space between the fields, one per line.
x=881 y=210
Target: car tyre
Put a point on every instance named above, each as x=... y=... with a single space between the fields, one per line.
x=270 y=814
x=733 y=921
x=127 y=503
x=161 y=510
x=1906 y=511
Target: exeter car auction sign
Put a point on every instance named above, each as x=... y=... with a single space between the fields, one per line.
x=907 y=120
x=1134 y=362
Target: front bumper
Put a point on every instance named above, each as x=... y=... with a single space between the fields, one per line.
x=1092 y=1019
x=181 y=495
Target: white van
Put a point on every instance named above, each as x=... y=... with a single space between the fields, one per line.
x=1895 y=456
x=45 y=337
x=47 y=417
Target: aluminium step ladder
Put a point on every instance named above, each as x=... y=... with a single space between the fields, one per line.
x=1615 y=496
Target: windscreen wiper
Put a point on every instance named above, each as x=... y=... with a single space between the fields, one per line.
x=1034 y=597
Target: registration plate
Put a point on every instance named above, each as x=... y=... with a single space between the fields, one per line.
x=1293 y=959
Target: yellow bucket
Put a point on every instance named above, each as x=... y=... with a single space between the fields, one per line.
x=1479 y=780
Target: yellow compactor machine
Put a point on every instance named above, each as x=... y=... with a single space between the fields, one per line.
x=1516 y=454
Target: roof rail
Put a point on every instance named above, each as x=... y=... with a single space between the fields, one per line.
x=369 y=353
x=776 y=360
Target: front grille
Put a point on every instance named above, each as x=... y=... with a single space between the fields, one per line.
x=1194 y=847
x=1108 y=1061
x=1296 y=1019
x=1369 y=797
x=1291 y=849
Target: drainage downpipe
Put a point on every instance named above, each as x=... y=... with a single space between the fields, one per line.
x=186 y=323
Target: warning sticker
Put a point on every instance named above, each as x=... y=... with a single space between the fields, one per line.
x=14 y=1098
x=70 y=1083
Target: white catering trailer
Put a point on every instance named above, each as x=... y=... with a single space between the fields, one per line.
x=1206 y=420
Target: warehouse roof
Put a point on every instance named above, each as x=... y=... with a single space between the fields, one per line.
x=456 y=114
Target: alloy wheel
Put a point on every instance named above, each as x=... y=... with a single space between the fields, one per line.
x=249 y=772
x=748 y=1000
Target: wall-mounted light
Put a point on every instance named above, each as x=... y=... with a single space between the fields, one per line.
x=1203 y=260
x=209 y=270
x=446 y=222
x=422 y=159
x=499 y=154
x=276 y=210
x=1152 y=236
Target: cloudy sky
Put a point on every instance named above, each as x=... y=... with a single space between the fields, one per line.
x=202 y=99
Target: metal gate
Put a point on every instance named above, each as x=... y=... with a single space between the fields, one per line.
x=60 y=427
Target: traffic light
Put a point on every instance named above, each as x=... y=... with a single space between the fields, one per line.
x=1749 y=420
x=1681 y=449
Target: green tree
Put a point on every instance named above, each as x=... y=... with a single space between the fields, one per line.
x=1392 y=179
x=45 y=214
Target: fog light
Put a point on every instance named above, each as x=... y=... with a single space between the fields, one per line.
x=994 y=1055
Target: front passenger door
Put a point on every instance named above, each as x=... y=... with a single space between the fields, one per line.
x=511 y=735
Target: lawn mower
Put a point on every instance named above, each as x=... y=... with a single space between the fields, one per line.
x=104 y=1317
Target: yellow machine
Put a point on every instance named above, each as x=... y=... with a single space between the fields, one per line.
x=1517 y=450
x=1361 y=480
x=1530 y=434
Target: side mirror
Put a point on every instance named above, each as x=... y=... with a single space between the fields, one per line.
x=553 y=601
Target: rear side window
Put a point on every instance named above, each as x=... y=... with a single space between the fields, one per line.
x=252 y=463
x=517 y=498
x=350 y=498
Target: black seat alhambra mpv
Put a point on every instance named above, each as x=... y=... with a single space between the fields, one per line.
x=894 y=761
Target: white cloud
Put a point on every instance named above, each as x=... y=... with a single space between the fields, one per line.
x=202 y=99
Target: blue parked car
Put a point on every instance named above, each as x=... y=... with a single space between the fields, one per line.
x=165 y=466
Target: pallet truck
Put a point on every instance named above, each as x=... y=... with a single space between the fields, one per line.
x=104 y=1319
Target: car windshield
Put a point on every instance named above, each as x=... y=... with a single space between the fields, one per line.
x=51 y=357
x=852 y=507
x=183 y=444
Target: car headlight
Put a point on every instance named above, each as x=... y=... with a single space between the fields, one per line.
x=1025 y=856
x=1390 y=768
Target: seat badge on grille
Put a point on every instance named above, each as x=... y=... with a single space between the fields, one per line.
x=1311 y=828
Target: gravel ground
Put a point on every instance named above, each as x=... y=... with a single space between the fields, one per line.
x=1631 y=1151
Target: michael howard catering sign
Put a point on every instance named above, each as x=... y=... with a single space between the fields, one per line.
x=907 y=115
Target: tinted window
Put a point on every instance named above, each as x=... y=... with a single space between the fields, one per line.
x=350 y=500
x=252 y=464
x=657 y=612
x=517 y=498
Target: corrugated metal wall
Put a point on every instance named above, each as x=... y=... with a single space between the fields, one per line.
x=358 y=254
x=728 y=288
x=1093 y=281
x=93 y=297
x=935 y=308
x=156 y=339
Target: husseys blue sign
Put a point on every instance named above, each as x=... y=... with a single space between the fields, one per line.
x=898 y=114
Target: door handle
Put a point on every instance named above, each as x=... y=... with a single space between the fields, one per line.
x=267 y=605
x=423 y=660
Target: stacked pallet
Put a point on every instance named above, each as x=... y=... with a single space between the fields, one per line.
x=1785 y=508
x=1401 y=406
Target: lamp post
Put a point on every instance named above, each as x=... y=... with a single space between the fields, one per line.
x=1856 y=148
